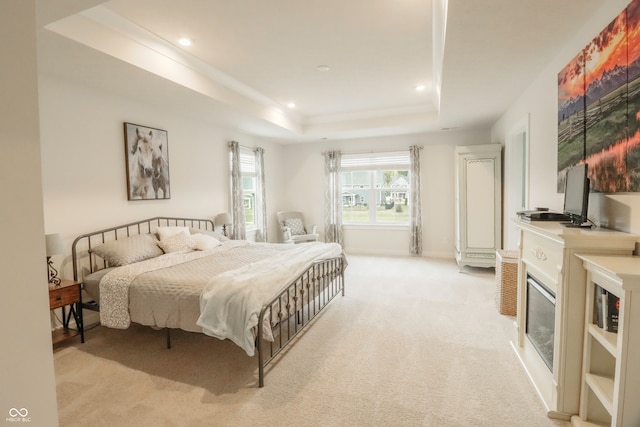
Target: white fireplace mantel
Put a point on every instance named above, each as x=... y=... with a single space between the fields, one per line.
x=547 y=251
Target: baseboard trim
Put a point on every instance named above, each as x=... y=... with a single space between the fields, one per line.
x=365 y=251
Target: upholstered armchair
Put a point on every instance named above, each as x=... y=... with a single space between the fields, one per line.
x=294 y=229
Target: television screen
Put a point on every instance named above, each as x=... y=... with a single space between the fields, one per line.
x=576 y=194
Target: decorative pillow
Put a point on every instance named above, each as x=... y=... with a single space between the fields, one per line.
x=214 y=234
x=178 y=242
x=166 y=232
x=128 y=250
x=295 y=225
x=204 y=241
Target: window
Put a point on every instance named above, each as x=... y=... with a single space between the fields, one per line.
x=248 y=173
x=375 y=188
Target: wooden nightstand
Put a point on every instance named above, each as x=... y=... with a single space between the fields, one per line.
x=63 y=295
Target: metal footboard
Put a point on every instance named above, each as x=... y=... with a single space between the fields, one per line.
x=292 y=311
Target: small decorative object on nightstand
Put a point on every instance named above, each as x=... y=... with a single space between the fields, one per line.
x=222 y=220
x=54 y=247
x=67 y=293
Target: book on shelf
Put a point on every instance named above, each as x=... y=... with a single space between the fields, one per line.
x=608 y=310
x=613 y=312
x=598 y=305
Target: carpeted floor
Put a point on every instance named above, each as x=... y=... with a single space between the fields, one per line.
x=413 y=343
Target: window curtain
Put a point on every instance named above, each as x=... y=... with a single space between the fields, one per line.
x=237 y=198
x=415 y=210
x=333 y=197
x=261 y=200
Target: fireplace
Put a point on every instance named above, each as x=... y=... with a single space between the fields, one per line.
x=540 y=319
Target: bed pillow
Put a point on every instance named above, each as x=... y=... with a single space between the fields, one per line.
x=166 y=232
x=177 y=242
x=204 y=241
x=128 y=250
x=214 y=234
x=295 y=225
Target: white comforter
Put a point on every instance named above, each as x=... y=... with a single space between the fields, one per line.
x=231 y=303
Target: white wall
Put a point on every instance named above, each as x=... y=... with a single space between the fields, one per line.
x=83 y=162
x=305 y=184
x=84 y=176
x=540 y=101
x=27 y=379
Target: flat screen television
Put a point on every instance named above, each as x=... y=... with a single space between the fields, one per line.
x=576 y=195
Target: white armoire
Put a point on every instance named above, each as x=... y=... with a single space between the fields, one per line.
x=478 y=204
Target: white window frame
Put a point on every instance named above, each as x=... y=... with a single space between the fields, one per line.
x=248 y=170
x=374 y=162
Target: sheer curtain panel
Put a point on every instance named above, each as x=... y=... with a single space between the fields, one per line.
x=415 y=210
x=333 y=197
x=261 y=200
x=237 y=197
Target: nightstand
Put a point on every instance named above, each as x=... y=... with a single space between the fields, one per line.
x=63 y=295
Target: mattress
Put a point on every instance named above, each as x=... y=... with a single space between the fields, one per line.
x=91 y=284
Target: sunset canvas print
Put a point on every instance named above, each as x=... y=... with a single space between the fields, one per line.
x=606 y=99
x=611 y=97
x=571 y=109
x=631 y=146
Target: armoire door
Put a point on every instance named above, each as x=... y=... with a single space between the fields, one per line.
x=478 y=204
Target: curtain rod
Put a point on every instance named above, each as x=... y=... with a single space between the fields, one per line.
x=375 y=152
x=244 y=146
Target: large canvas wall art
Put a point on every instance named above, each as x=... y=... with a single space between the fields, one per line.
x=610 y=118
x=606 y=100
x=571 y=111
x=147 y=162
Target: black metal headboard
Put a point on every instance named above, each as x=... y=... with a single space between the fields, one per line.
x=84 y=258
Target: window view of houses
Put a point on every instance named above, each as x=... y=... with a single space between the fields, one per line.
x=248 y=173
x=375 y=196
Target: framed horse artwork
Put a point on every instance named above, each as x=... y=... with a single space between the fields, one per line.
x=147 y=157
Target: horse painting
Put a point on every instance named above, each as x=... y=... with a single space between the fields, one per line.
x=148 y=174
x=160 y=178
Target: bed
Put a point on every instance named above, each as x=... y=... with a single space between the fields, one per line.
x=171 y=273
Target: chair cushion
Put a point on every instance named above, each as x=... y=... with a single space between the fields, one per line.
x=295 y=225
x=304 y=238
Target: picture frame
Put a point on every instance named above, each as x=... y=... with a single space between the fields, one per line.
x=147 y=162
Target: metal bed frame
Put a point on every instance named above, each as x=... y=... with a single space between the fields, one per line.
x=288 y=314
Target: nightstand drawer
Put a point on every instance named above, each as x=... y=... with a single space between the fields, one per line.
x=59 y=297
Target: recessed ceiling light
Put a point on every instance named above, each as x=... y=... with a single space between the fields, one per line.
x=291 y=105
x=420 y=88
x=322 y=68
x=184 y=41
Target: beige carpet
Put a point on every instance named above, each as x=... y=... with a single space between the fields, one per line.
x=413 y=343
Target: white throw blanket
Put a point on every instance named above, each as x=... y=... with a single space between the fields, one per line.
x=231 y=303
